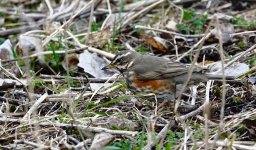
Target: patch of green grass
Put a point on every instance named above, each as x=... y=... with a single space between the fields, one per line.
x=121 y=5
x=110 y=46
x=4 y=15
x=12 y=108
x=243 y=23
x=24 y=128
x=252 y=60
x=118 y=87
x=2 y=40
x=123 y=144
x=241 y=44
x=115 y=100
x=172 y=140
x=64 y=117
x=217 y=91
x=95 y=27
x=237 y=100
x=142 y=49
x=192 y=22
x=14 y=54
x=141 y=140
x=113 y=45
x=54 y=59
x=136 y=30
x=72 y=83
x=199 y=135
x=37 y=82
x=21 y=62
x=241 y=130
x=89 y=105
x=225 y=134
x=11 y=20
x=112 y=148
x=126 y=144
x=179 y=135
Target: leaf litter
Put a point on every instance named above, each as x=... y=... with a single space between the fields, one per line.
x=54 y=95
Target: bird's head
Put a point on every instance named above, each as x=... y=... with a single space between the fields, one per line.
x=123 y=60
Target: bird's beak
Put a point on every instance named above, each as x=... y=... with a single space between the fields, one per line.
x=109 y=66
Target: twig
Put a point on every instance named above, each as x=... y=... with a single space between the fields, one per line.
x=47 y=40
x=193 y=113
x=206 y=112
x=91 y=17
x=143 y=11
x=160 y=135
x=211 y=124
x=109 y=15
x=19 y=30
x=91 y=49
x=91 y=80
x=46 y=53
x=190 y=71
x=37 y=145
x=193 y=95
x=48 y=4
x=198 y=110
x=83 y=143
x=241 y=55
x=11 y=101
x=188 y=35
x=241 y=33
x=169 y=32
x=221 y=124
x=94 y=129
x=195 y=45
x=233 y=144
x=14 y=77
x=102 y=53
x=34 y=107
x=64 y=11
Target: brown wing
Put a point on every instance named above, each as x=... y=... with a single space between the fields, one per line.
x=159 y=70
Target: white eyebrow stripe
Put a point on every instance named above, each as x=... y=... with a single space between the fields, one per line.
x=120 y=56
x=126 y=54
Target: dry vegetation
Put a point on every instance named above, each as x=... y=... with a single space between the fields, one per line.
x=54 y=95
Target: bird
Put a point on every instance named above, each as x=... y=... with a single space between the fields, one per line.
x=153 y=74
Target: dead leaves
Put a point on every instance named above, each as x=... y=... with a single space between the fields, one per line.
x=99 y=38
x=159 y=44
